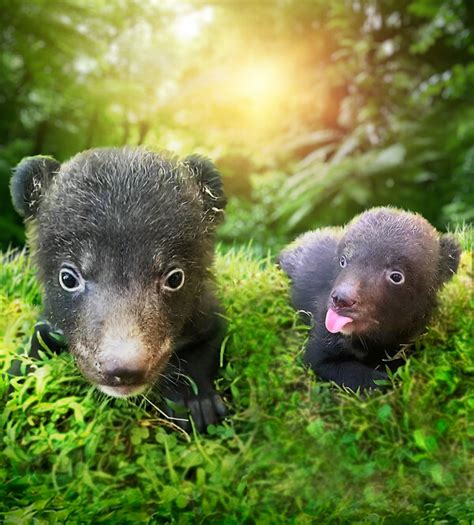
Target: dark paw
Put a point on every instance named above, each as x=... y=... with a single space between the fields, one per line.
x=374 y=381
x=206 y=409
x=379 y=381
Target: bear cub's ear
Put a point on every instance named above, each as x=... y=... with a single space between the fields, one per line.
x=29 y=182
x=210 y=184
x=449 y=255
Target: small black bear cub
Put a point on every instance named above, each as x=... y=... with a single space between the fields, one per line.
x=124 y=242
x=370 y=288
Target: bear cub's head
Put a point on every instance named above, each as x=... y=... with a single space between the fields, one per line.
x=123 y=242
x=391 y=264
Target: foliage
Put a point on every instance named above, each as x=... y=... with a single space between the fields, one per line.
x=405 y=122
x=358 y=103
x=293 y=449
x=250 y=217
x=395 y=126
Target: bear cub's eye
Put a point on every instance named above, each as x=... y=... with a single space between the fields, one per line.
x=342 y=261
x=174 y=280
x=396 y=277
x=70 y=279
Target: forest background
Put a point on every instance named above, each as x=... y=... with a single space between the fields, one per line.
x=312 y=110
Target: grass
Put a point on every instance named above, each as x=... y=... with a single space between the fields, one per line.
x=294 y=449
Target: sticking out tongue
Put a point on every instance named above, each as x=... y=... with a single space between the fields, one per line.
x=335 y=322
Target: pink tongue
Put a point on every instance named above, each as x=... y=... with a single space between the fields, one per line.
x=334 y=321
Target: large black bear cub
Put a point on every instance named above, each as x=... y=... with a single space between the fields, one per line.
x=124 y=244
x=369 y=288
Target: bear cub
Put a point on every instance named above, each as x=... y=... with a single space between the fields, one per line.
x=123 y=240
x=369 y=287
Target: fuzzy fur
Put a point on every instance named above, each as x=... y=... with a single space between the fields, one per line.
x=385 y=315
x=124 y=217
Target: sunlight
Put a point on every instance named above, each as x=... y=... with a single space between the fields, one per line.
x=260 y=89
x=261 y=80
x=189 y=25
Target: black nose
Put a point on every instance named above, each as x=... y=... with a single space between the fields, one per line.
x=344 y=297
x=118 y=374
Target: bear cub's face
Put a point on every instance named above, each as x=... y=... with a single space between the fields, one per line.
x=124 y=241
x=390 y=265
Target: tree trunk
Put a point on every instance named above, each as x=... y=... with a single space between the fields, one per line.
x=39 y=137
x=126 y=131
x=143 y=129
x=89 y=142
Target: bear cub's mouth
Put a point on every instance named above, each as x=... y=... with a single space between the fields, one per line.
x=337 y=322
x=350 y=320
x=122 y=391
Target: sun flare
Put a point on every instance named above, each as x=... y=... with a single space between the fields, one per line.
x=188 y=26
x=261 y=82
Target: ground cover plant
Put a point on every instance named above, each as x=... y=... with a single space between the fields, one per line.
x=294 y=450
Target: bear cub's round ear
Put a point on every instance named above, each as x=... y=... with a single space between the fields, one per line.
x=210 y=184
x=449 y=256
x=29 y=182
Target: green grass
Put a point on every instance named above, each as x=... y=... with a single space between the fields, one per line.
x=294 y=449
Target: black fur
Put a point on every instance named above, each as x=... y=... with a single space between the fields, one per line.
x=32 y=177
x=450 y=253
x=124 y=218
x=210 y=183
x=385 y=315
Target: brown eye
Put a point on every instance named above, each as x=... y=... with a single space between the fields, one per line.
x=342 y=261
x=174 y=280
x=70 y=279
x=396 y=277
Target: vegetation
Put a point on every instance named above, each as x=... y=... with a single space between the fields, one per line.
x=294 y=449
x=330 y=107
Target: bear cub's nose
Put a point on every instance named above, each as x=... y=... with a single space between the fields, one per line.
x=120 y=374
x=343 y=297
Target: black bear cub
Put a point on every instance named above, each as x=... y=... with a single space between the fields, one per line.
x=123 y=242
x=369 y=288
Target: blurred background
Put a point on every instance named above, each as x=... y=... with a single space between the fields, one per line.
x=312 y=110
